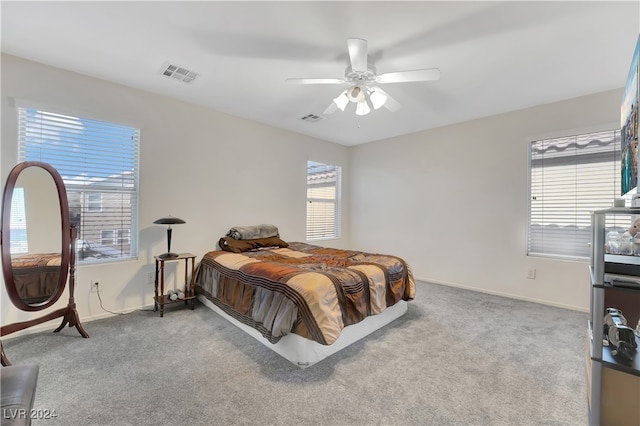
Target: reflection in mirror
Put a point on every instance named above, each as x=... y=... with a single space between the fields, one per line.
x=35 y=237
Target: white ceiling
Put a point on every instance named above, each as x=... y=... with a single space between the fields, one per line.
x=493 y=56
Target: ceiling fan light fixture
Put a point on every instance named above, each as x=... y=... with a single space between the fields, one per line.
x=355 y=94
x=341 y=101
x=362 y=108
x=360 y=75
x=377 y=99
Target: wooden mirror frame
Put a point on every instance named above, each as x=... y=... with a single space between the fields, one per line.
x=69 y=313
x=7 y=266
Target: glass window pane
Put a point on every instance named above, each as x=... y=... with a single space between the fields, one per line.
x=98 y=162
x=568 y=178
x=323 y=201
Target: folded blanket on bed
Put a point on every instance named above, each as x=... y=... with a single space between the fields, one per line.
x=253 y=232
x=239 y=246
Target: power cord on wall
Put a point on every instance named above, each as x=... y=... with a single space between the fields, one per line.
x=96 y=284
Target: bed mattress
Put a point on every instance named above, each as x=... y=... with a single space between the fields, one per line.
x=308 y=291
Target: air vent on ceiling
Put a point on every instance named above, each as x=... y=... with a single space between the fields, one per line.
x=312 y=118
x=179 y=73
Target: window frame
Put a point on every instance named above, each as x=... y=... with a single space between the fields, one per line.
x=604 y=202
x=127 y=188
x=330 y=232
x=93 y=206
x=108 y=239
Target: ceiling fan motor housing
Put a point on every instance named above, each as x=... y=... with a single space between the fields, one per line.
x=360 y=76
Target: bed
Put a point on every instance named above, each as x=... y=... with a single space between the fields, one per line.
x=36 y=276
x=303 y=301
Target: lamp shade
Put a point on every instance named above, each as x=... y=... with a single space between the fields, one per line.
x=169 y=220
x=378 y=99
x=362 y=108
x=341 y=101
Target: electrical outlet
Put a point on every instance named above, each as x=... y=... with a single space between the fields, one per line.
x=531 y=273
x=151 y=277
x=94 y=286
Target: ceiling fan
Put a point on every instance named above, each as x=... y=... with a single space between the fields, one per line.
x=361 y=77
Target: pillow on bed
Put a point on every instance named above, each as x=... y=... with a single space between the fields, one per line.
x=238 y=246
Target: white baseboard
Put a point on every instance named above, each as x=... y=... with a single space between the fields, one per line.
x=509 y=295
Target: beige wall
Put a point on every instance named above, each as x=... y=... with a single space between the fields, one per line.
x=453 y=200
x=213 y=170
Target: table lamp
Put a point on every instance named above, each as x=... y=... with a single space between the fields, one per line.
x=169 y=220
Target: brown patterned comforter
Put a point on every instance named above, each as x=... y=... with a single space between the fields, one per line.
x=37 y=260
x=36 y=276
x=304 y=289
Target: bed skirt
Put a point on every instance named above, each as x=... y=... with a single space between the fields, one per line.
x=304 y=352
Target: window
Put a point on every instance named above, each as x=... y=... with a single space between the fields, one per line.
x=98 y=162
x=18 y=223
x=107 y=237
x=94 y=201
x=323 y=201
x=115 y=237
x=123 y=236
x=568 y=178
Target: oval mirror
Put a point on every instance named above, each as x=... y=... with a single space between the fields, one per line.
x=35 y=236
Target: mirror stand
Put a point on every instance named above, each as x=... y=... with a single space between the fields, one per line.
x=37 y=259
x=69 y=313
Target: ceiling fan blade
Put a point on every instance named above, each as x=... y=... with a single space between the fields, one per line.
x=330 y=109
x=357 y=54
x=391 y=104
x=407 y=76
x=315 y=80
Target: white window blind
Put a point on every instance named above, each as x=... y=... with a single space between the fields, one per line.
x=98 y=162
x=18 y=223
x=568 y=178
x=323 y=201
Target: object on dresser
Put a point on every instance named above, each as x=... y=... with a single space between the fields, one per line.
x=635 y=227
x=626 y=244
x=613 y=243
x=621 y=337
x=634 y=230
